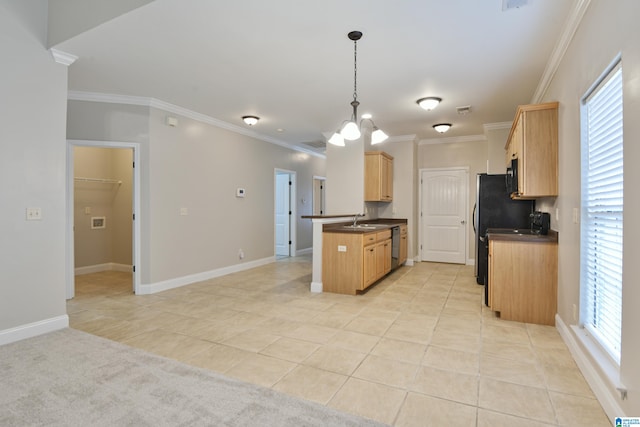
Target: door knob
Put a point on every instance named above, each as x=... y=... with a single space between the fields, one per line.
x=463 y=221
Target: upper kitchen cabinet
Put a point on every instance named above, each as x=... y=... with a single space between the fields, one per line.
x=378 y=177
x=532 y=151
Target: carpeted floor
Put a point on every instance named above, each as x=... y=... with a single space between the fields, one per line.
x=70 y=378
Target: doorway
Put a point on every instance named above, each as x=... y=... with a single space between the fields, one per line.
x=319 y=188
x=443 y=215
x=102 y=199
x=285 y=182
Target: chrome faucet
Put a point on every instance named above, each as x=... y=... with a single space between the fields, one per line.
x=355 y=220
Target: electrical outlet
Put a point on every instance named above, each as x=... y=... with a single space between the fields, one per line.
x=184 y=211
x=575 y=215
x=241 y=254
x=34 y=214
x=342 y=248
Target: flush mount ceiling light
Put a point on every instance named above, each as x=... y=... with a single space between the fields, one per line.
x=429 y=103
x=442 y=127
x=350 y=130
x=250 y=120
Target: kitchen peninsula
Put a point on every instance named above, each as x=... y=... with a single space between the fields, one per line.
x=356 y=255
x=341 y=227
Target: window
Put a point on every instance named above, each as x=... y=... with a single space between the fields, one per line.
x=602 y=206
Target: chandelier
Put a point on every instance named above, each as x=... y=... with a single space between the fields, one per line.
x=350 y=129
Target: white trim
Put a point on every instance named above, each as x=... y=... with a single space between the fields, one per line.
x=33 y=329
x=177 y=282
x=304 y=251
x=575 y=339
x=569 y=29
x=471 y=261
x=497 y=126
x=63 y=58
x=453 y=139
x=316 y=287
x=97 y=268
x=176 y=109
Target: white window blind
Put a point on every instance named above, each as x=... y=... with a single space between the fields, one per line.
x=602 y=207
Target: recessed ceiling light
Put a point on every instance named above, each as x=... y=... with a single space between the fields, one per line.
x=250 y=120
x=280 y=130
x=429 y=103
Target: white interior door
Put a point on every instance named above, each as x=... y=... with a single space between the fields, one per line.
x=443 y=210
x=318 y=196
x=283 y=213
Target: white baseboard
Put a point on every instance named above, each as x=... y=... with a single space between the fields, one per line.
x=471 y=261
x=304 y=251
x=33 y=329
x=316 y=287
x=409 y=262
x=97 y=268
x=591 y=373
x=146 y=289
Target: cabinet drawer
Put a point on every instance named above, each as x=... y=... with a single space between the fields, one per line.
x=368 y=239
x=383 y=235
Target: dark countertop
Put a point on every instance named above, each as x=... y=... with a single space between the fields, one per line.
x=522 y=235
x=374 y=225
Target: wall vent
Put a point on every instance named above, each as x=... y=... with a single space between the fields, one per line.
x=513 y=4
x=466 y=109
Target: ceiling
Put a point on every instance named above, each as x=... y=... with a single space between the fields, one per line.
x=290 y=61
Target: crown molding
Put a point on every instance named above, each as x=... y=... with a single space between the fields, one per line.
x=402 y=138
x=497 y=126
x=570 y=28
x=181 y=111
x=63 y=58
x=453 y=139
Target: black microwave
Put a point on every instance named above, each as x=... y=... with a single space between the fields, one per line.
x=512 y=177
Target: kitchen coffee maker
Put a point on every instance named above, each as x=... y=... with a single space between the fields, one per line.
x=540 y=222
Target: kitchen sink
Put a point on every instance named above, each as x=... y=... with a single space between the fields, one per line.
x=362 y=227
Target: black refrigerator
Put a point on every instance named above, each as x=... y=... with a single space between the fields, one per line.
x=495 y=209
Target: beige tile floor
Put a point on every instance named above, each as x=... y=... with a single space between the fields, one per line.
x=418 y=349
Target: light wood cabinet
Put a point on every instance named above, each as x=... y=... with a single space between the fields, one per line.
x=378 y=177
x=533 y=141
x=523 y=280
x=353 y=261
x=404 y=245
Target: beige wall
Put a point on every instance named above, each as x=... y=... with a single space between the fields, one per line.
x=496 y=140
x=472 y=155
x=607 y=29
x=345 y=178
x=404 y=182
x=113 y=201
x=199 y=166
x=32 y=171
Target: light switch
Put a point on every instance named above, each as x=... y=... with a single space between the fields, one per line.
x=575 y=215
x=87 y=210
x=184 y=211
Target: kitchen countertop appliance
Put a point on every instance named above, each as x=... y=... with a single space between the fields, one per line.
x=495 y=209
x=540 y=222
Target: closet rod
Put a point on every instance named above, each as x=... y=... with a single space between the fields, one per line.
x=100 y=180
